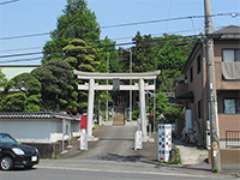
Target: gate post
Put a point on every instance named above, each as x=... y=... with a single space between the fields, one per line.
x=142 y=108
x=91 y=94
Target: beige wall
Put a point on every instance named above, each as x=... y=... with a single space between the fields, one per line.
x=12 y=71
x=221 y=84
x=228 y=122
x=226 y=89
x=199 y=87
x=228 y=157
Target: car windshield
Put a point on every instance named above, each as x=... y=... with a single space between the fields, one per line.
x=6 y=139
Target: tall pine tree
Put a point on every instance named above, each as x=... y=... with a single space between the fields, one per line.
x=77 y=21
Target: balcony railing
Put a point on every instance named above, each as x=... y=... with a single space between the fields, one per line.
x=182 y=91
x=232 y=138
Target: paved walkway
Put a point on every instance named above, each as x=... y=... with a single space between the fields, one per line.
x=192 y=155
x=115 y=144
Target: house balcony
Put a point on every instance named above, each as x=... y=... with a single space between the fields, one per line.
x=182 y=92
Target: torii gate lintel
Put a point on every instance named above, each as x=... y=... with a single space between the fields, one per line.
x=92 y=86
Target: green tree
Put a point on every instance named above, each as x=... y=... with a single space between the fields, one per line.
x=144 y=57
x=76 y=40
x=77 y=21
x=170 y=112
x=108 y=52
x=27 y=85
x=81 y=56
x=3 y=80
x=171 y=57
x=57 y=89
x=173 y=50
x=167 y=53
x=13 y=102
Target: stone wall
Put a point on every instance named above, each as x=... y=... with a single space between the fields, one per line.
x=51 y=150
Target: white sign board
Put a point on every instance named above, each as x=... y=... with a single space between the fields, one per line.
x=164 y=142
x=83 y=140
x=138 y=143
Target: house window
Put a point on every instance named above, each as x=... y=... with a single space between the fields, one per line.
x=237 y=54
x=191 y=74
x=231 y=55
x=229 y=106
x=199 y=64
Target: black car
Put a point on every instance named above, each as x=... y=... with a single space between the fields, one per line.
x=14 y=154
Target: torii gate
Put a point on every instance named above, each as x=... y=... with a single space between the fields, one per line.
x=91 y=87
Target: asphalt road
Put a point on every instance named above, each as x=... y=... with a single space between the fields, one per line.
x=114 y=142
x=74 y=174
x=110 y=158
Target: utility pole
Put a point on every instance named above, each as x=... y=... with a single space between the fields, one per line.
x=130 y=92
x=154 y=106
x=107 y=103
x=212 y=94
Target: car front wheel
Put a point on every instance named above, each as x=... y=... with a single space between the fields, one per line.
x=6 y=163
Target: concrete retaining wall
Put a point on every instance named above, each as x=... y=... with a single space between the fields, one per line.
x=49 y=151
x=229 y=158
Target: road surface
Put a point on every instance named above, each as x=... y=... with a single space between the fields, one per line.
x=115 y=144
x=78 y=174
x=110 y=158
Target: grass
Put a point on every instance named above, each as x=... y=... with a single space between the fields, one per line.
x=176 y=158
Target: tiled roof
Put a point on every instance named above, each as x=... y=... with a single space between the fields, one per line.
x=38 y=115
x=231 y=32
x=228 y=32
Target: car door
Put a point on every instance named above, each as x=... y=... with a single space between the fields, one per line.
x=1 y=151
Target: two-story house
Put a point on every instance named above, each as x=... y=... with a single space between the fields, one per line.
x=192 y=90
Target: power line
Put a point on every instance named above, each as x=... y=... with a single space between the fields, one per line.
x=8 y=2
x=35 y=53
x=114 y=39
x=99 y=46
x=20 y=49
x=232 y=14
x=21 y=60
x=153 y=35
x=119 y=44
x=25 y=36
x=185 y=42
x=17 y=55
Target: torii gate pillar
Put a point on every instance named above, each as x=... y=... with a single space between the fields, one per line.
x=143 y=108
x=91 y=87
x=91 y=94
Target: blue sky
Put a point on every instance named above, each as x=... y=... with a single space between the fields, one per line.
x=37 y=16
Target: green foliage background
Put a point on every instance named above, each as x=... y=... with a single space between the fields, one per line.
x=76 y=45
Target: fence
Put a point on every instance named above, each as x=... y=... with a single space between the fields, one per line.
x=232 y=138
